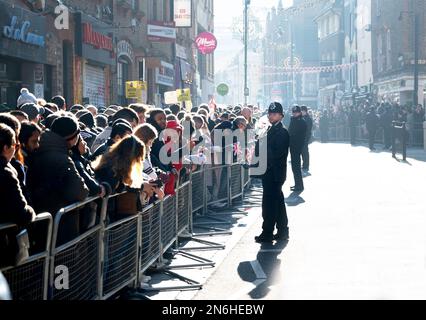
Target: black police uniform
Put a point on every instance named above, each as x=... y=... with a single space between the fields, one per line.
x=297 y=131
x=305 y=150
x=372 y=121
x=273 y=206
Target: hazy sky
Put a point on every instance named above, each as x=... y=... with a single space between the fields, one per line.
x=225 y=12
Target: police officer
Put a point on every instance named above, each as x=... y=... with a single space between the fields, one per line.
x=273 y=205
x=372 y=121
x=305 y=150
x=298 y=129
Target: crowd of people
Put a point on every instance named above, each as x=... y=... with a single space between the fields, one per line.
x=370 y=118
x=54 y=154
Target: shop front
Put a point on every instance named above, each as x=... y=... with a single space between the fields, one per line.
x=401 y=90
x=161 y=78
x=94 y=61
x=327 y=96
x=23 y=54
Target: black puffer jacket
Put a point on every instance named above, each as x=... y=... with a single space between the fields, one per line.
x=53 y=178
x=14 y=209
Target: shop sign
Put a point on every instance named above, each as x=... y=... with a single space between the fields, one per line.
x=223 y=89
x=181 y=52
x=91 y=40
x=21 y=33
x=96 y=39
x=165 y=74
x=183 y=13
x=206 y=42
x=161 y=31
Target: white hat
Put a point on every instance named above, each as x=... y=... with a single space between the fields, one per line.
x=26 y=97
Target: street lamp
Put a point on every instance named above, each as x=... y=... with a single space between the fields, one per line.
x=415 y=17
x=246 y=89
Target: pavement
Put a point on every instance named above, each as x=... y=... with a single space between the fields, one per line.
x=357 y=232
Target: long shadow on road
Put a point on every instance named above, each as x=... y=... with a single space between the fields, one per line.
x=264 y=272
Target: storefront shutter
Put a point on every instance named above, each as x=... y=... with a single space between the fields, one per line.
x=94 y=85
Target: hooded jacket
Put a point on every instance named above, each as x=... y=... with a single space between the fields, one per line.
x=53 y=178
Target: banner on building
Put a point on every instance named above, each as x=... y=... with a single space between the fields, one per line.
x=183 y=13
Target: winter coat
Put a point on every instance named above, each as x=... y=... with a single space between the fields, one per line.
x=55 y=183
x=14 y=209
x=278 y=141
x=297 y=131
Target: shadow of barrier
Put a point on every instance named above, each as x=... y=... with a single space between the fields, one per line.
x=108 y=256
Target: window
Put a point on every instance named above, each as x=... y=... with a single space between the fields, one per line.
x=380 y=53
x=327 y=26
x=120 y=79
x=378 y=8
x=388 y=51
x=336 y=23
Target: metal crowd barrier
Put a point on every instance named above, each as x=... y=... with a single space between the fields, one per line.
x=219 y=178
x=197 y=185
x=150 y=241
x=236 y=186
x=120 y=254
x=168 y=222
x=82 y=257
x=101 y=261
x=29 y=281
x=415 y=134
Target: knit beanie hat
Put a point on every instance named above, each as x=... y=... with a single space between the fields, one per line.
x=65 y=127
x=32 y=110
x=86 y=117
x=26 y=97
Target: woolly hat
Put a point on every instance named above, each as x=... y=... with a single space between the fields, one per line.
x=26 y=97
x=65 y=127
x=86 y=117
x=32 y=110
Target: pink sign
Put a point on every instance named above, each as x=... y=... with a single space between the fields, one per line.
x=206 y=42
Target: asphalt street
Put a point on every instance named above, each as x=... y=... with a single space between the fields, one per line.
x=357 y=232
